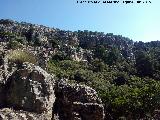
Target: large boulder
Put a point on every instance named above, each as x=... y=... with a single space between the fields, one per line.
x=30 y=88
x=77 y=102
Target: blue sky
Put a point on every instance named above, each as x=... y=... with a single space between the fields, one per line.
x=140 y=22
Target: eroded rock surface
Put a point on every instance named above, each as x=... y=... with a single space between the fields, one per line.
x=9 y=114
x=30 y=93
x=77 y=102
x=31 y=89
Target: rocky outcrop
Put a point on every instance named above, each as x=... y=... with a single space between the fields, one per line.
x=31 y=89
x=3 y=76
x=45 y=36
x=30 y=93
x=77 y=102
x=9 y=114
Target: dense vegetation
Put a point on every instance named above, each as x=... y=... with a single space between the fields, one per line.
x=125 y=74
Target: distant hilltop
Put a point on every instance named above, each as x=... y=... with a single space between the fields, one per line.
x=73 y=42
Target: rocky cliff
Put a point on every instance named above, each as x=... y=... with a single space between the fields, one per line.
x=30 y=93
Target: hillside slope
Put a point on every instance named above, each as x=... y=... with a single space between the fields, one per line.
x=124 y=73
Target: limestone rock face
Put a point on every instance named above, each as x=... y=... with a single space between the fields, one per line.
x=31 y=89
x=8 y=114
x=30 y=93
x=77 y=102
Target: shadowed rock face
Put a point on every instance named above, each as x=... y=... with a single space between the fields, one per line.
x=2 y=95
x=31 y=89
x=77 y=102
x=33 y=94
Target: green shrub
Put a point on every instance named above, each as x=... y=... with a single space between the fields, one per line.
x=13 y=44
x=124 y=95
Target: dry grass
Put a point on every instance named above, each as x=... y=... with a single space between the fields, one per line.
x=21 y=56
